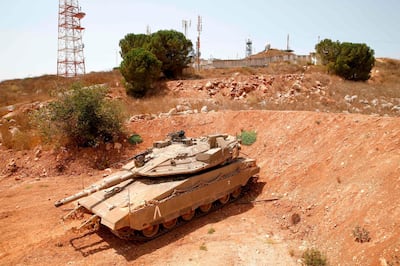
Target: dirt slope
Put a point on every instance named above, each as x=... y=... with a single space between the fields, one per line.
x=333 y=171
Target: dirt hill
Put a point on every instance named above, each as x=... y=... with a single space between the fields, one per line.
x=322 y=176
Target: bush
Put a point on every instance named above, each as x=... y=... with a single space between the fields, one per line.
x=171 y=47
x=361 y=235
x=173 y=50
x=248 y=137
x=313 y=257
x=352 y=61
x=84 y=115
x=140 y=69
x=135 y=139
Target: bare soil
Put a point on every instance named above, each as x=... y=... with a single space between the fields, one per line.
x=330 y=165
x=328 y=172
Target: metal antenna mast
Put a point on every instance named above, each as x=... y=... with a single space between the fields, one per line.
x=148 y=30
x=70 y=59
x=249 y=47
x=199 y=29
x=185 y=25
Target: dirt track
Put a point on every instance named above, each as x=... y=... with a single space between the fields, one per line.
x=335 y=171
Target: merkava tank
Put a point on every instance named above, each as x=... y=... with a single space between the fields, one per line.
x=164 y=186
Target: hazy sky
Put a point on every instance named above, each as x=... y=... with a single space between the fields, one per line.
x=28 y=45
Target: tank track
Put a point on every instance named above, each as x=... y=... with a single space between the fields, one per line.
x=134 y=235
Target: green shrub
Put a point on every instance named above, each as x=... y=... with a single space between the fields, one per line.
x=140 y=69
x=170 y=47
x=135 y=139
x=211 y=231
x=203 y=247
x=248 y=137
x=313 y=257
x=83 y=115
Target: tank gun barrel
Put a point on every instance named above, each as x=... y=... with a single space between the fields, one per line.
x=110 y=181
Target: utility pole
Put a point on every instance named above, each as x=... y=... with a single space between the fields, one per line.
x=185 y=25
x=199 y=29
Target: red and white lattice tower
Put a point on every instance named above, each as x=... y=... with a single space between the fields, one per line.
x=70 y=59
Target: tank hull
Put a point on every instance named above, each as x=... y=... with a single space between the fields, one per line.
x=142 y=203
x=164 y=186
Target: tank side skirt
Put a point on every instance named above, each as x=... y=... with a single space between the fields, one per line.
x=134 y=235
x=146 y=209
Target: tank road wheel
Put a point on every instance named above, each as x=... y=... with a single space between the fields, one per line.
x=151 y=231
x=170 y=224
x=188 y=216
x=236 y=193
x=206 y=207
x=224 y=199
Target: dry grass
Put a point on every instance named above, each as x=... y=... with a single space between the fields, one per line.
x=18 y=134
x=39 y=88
x=384 y=86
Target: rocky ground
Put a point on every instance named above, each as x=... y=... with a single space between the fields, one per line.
x=330 y=173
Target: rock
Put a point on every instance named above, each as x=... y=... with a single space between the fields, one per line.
x=204 y=109
x=394 y=108
x=12 y=166
x=383 y=262
x=350 y=99
x=38 y=152
x=188 y=112
x=173 y=111
x=263 y=88
x=10 y=108
x=295 y=218
x=212 y=92
x=387 y=105
x=44 y=173
x=182 y=108
x=209 y=85
x=117 y=146
x=297 y=86
x=235 y=74
x=374 y=102
x=14 y=131
x=141 y=117
x=9 y=116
